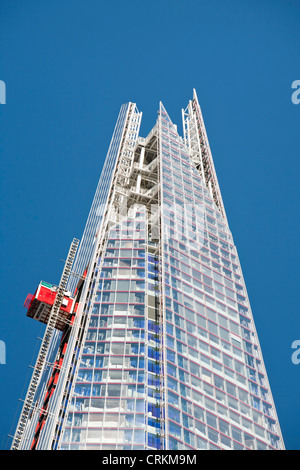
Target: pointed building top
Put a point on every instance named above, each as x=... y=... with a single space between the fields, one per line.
x=163 y=111
x=196 y=139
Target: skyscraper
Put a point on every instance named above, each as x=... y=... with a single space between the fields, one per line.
x=150 y=341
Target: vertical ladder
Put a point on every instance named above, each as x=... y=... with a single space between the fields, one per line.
x=41 y=359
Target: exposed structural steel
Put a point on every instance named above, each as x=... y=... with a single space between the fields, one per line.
x=40 y=362
x=155 y=344
x=195 y=138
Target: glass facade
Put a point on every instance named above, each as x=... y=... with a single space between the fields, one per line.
x=166 y=355
x=84 y=255
x=101 y=196
x=116 y=397
x=217 y=391
x=108 y=401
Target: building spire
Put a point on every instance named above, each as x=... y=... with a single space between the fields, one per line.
x=196 y=140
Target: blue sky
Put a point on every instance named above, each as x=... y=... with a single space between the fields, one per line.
x=68 y=66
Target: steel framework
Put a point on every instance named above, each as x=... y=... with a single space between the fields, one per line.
x=42 y=355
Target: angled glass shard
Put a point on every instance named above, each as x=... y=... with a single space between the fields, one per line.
x=163 y=352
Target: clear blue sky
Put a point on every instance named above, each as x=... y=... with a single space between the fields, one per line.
x=68 y=66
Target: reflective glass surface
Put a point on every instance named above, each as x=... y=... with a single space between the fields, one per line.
x=217 y=391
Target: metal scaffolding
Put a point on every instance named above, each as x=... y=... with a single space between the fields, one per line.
x=195 y=138
x=43 y=352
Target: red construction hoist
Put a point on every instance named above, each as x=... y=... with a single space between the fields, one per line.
x=56 y=308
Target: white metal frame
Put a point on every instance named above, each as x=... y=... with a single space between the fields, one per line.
x=43 y=352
